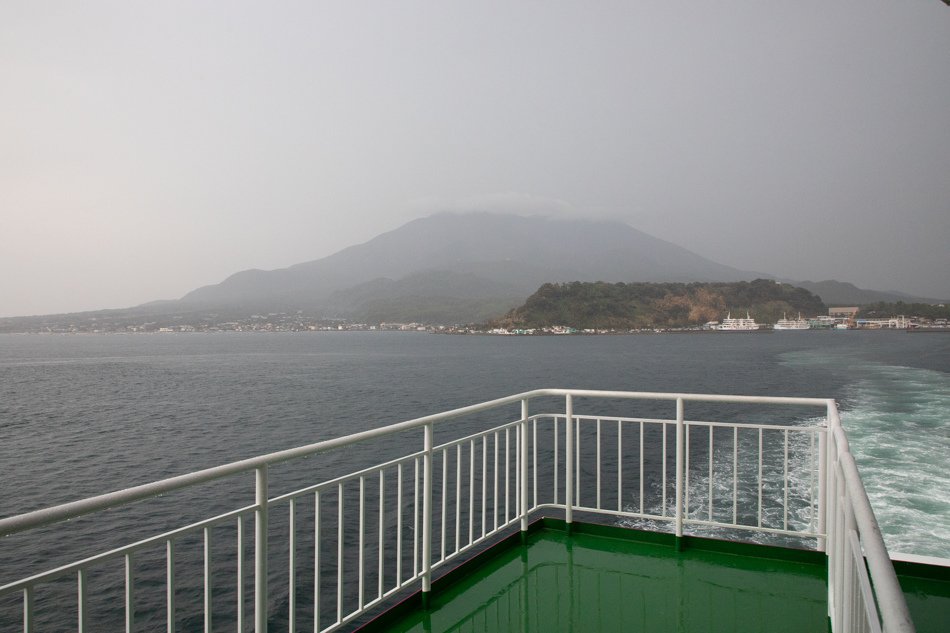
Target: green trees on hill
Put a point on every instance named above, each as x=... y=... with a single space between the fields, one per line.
x=603 y=305
x=884 y=310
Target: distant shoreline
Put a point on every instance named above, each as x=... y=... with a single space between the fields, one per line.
x=452 y=331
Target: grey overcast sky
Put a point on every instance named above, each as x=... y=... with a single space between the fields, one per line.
x=148 y=148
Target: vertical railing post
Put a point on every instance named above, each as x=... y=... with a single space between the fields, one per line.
x=427 y=516
x=83 y=601
x=28 y=621
x=831 y=476
x=240 y=574
x=524 y=465
x=680 y=444
x=260 y=550
x=823 y=481
x=852 y=591
x=207 y=579
x=569 y=460
x=840 y=550
x=830 y=505
x=129 y=596
x=291 y=570
x=836 y=549
x=169 y=586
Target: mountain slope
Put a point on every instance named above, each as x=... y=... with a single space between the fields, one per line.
x=432 y=296
x=446 y=268
x=521 y=252
x=842 y=293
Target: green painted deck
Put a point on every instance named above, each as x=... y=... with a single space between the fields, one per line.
x=927 y=591
x=600 y=578
x=591 y=580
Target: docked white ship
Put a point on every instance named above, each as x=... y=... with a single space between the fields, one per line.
x=729 y=324
x=791 y=324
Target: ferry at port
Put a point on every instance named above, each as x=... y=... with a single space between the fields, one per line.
x=548 y=510
x=730 y=324
x=791 y=324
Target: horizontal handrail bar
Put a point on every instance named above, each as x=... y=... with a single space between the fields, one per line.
x=46 y=516
x=673 y=397
x=126 y=549
x=615 y=418
x=764 y=427
x=618 y=513
x=671 y=421
x=933 y=561
x=330 y=483
x=752 y=528
x=481 y=434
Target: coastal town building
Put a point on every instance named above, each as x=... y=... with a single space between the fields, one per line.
x=843 y=313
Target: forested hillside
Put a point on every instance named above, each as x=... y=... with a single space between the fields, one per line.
x=644 y=305
x=886 y=310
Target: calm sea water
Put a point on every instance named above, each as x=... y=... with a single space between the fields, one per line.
x=86 y=414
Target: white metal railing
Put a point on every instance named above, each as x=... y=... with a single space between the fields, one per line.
x=384 y=529
x=864 y=594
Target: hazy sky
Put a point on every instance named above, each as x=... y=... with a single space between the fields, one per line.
x=147 y=148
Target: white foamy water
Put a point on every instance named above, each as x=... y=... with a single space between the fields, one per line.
x=900 y=435
x=898 y=423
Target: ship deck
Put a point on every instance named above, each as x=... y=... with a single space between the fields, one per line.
x=601 y=578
